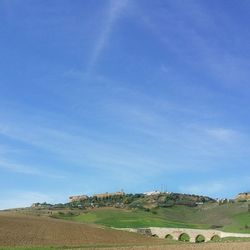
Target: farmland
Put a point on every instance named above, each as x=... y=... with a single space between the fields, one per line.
x=126 y=218
x=89 y=229
x=92 y=228
x=208 y=246
x=29 y=231
x=227 y=217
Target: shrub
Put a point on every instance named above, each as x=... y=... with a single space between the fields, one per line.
x=215 y=238
x=184 y=237
x=200 y=238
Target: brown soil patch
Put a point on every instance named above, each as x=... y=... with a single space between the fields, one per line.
x=205 y=246
x=21 y=230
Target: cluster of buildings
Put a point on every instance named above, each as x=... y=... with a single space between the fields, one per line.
x=155 y=192
x=108 y=195
x=243 y=196
x=41 y=205
x=99 y=196
x=152 y=193
x=240 y=197
x=78 y=198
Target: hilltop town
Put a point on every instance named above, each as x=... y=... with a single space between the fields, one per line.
x=146 y=200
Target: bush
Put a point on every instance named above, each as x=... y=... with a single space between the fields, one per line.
x=242 y=200
x=188 y=203
x=216 y=226
x=153 y=211
x=215 y=238
x=184 y=237
x=200 y=238
x=169 y=203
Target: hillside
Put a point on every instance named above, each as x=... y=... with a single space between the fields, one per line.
x=121 y=218
x=228 y=217
x=162 y=210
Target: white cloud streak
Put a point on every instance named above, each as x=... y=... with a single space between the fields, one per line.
x=27 y=170
x=92 y=150
x=114 y=12
x=188 y=38
x=223 y=134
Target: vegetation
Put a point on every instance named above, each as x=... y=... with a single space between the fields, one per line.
x=184 y=237
x=121 y=218
x=230 y=217
x=200 y=239
x=240 y=223
x=161 y=210
x=133 y=201
x=216 y=238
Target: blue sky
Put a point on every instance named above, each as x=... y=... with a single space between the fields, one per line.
x=123 y=94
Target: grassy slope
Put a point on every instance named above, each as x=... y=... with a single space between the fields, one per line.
x=127 y=218
x=230 y=217
x=240 y=223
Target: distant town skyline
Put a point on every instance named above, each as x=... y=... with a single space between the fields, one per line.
x=123 y=94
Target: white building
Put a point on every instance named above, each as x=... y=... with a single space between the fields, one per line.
x=152 y=193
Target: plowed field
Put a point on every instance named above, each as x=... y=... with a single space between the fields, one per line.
x=21 y=230
x=28 y=231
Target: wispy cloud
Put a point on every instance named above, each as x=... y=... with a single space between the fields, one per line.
x=84 y=148
x=165 y=124
x=223 y=134
x=190 y=37
x=159 y=132
x=26 y=169
x=189 y=129
x=17 y=168
x=114 y=12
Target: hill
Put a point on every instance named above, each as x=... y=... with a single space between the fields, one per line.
x=231 y=217
x=160 y=210
x=129 y=201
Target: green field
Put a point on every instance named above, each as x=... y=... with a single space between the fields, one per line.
x=126 y=218
x=228 y=217
x=240 y=223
